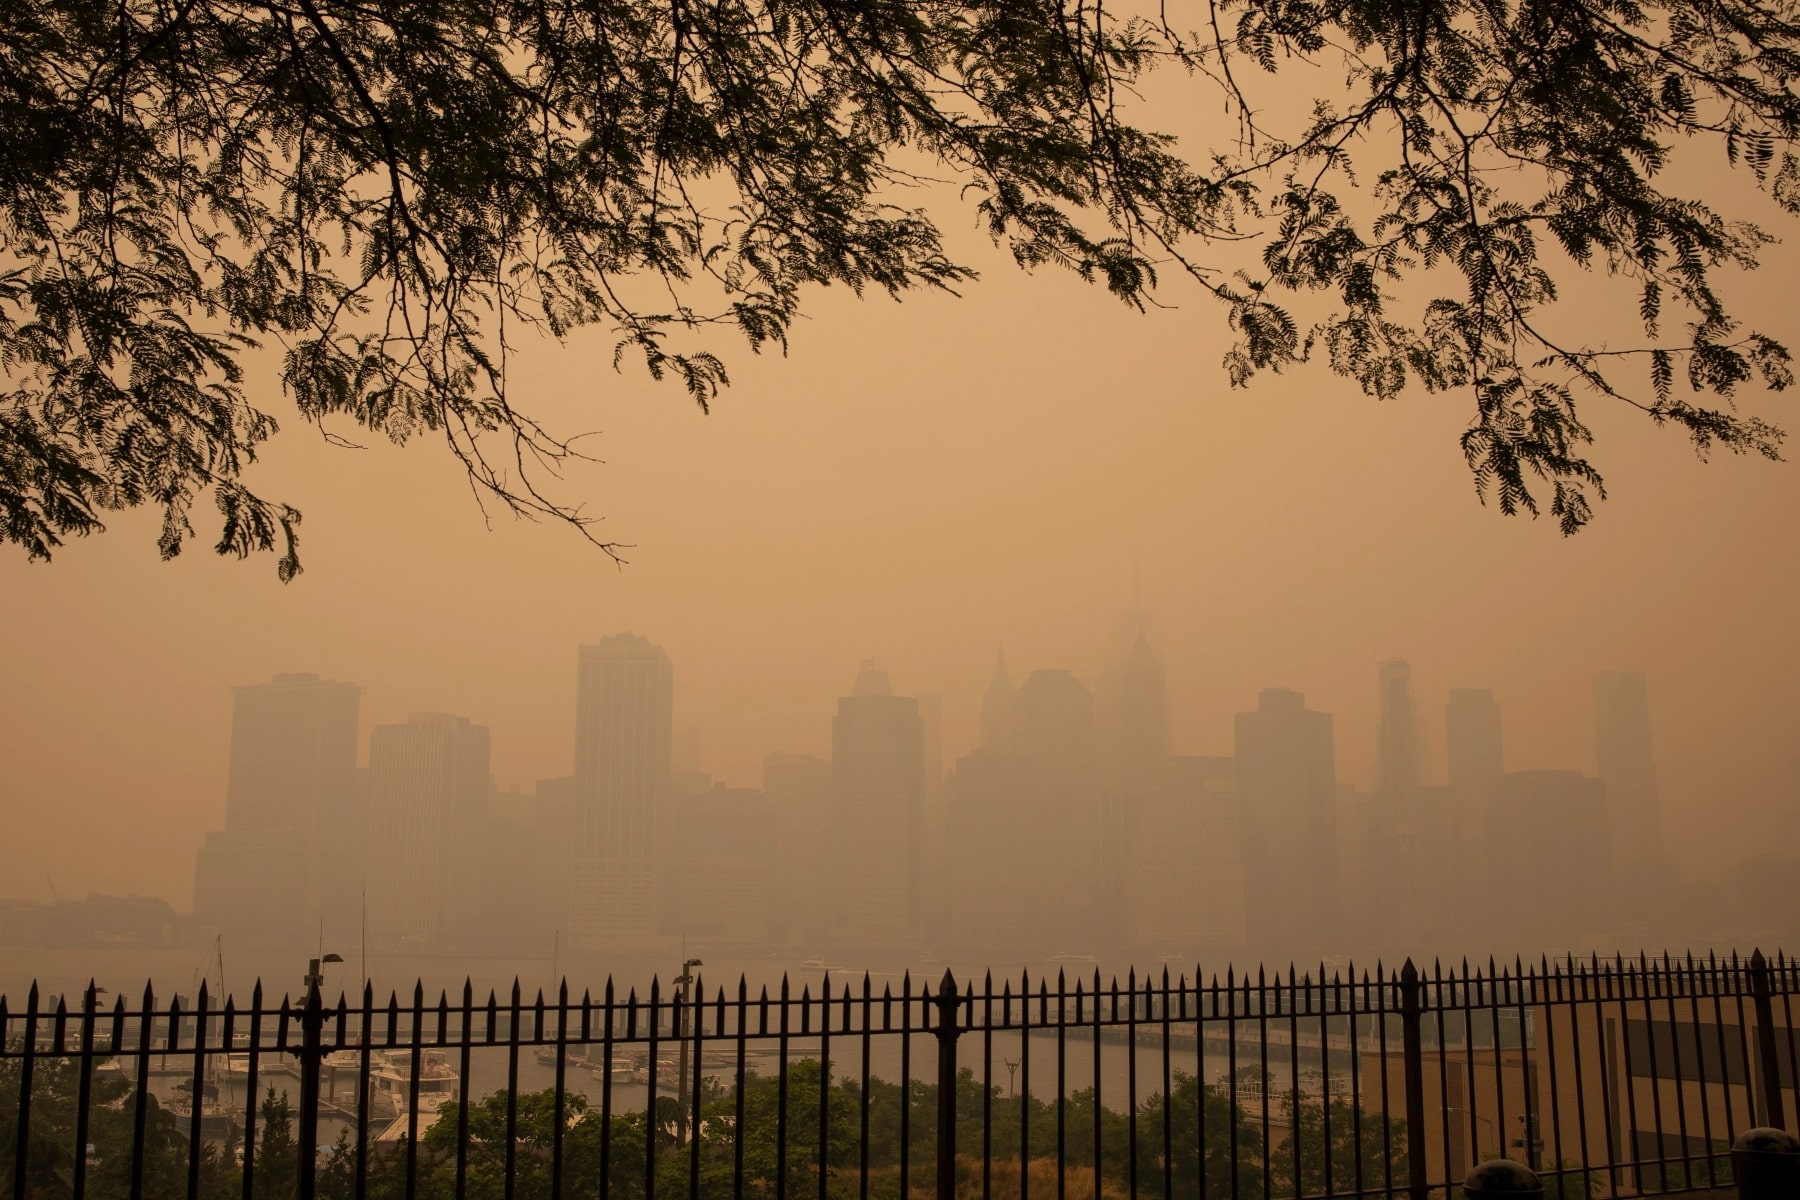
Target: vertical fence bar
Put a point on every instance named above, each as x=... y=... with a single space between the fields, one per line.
x=1131 y=1077
x=781 y=1102
x=558 y=1100
x=84 y=1092
x=1099 y=1104
x=824 y=1090
x=510 y=1155
x=650 y=1120
x=27 y=1063
x=606 y=1086
x=1168 y=1093
x=196 y=1094
x=141 y=1099
x=905 y=1083
x=862 y=1099
x=1062 y=1079
x=987 y=1080
x=1768 y=1061
x=1413 y=1067
x=312 y=1019
x=1024 y=1100
x=364 y=1050
x=947 y=1032
x=699 y=998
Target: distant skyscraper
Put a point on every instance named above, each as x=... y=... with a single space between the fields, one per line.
x=1287 y=820
x=797 y=790
x=1131 y=714
x=1475 y=763
x=996 y=708
x=1402 y=837
x=290 y=825
x=1633 y=805
x=877 y=801
x=428 y=794
x=1555 y=847
x=1025 y=846
x=1178 y=881
x=624 y=708
x=1397 y=749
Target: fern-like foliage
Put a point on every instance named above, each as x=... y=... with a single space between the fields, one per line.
x=389 y=191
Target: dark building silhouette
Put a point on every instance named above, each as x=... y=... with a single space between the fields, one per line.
x=1475 y=762
x=1025 y=811
x=1633 y=802
x=289 y=858
x=1554 y=843
x=1174 y=874
x=1131 y=715
x=428 y=838
x=723 y=852
x=877 y=805
x=996 y=708
x=624 y=709
x=797 y=788
x=1287 y=822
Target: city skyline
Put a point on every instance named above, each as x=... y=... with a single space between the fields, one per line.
x=633 y=841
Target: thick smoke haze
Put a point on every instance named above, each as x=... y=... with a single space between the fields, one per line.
x=923 y=484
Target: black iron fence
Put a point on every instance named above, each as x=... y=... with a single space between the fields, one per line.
x=1608 y=1078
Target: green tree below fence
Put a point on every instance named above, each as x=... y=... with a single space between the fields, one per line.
x=1203 y=1121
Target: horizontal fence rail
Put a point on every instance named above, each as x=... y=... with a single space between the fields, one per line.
x=1608 y=1078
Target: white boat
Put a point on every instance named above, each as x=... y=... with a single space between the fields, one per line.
x=546 y=1057
x=1068 y=957
x=392 y=1084
x=624 y=1070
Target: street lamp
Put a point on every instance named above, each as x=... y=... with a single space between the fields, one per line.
x=315 y=975
x=312 y=1022
x=682 y=981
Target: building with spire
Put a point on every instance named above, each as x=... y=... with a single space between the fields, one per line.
x=1131 y=715
x=996 y=708
x=1024 y=812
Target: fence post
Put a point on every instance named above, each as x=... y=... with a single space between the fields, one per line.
x=1413 y=1067
x=1769 y=1064
x=312 y=1021
x=947 y=1032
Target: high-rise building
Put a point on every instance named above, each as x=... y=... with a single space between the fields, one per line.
x=1131 y=715
x=877 y=801
x=1026 y=852
x=797 y=790
x=1177 y=879
x=428 y=808
x=290 y=824
x=996 y=708
x=1287 y=821
x=1397 y=748
x=624 y=712
x=723 y=861
x=1399 y=836
x=1475 y=761
x=1558 y=858
x=1633 y=805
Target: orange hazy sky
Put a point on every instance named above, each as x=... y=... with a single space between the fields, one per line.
x=920 y=484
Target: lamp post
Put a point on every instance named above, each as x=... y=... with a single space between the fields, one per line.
x=312 y=1022
x=682 y=983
